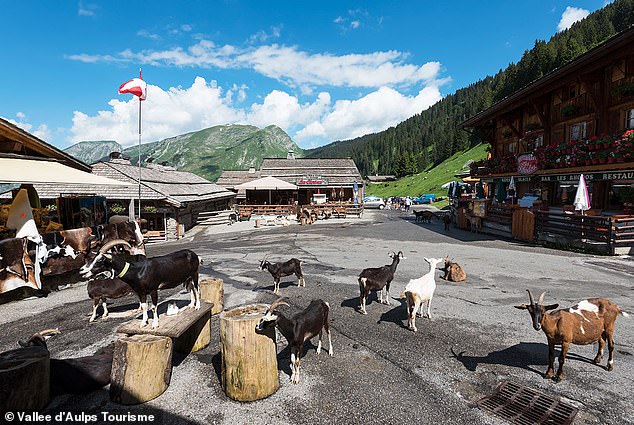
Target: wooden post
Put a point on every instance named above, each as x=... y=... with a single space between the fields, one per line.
x=249 y=360
x=24 y=379
x=141 y=368
x=212 y=291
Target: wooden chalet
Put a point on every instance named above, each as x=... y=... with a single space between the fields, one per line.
x=172 y=201
x=323 y=184
x=576 y=120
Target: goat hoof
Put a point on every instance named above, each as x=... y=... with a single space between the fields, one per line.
x=609 y=367
x=558 y=378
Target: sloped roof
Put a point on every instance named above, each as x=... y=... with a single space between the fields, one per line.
x=229 y=179
x=15 y=140
x=337 y=171
x=175 y=186
x=266 y=183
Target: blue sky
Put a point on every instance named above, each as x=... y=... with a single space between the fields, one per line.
x=323 y=71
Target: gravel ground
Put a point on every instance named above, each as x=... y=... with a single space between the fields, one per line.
x=381 y=372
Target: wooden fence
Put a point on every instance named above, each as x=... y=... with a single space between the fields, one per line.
x=574 y=226
x=329 y=209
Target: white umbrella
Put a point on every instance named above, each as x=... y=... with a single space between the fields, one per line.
x=582 y=199
x=512 y=187
x=446 y=185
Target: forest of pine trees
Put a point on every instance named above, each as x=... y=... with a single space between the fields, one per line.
x=435 y=134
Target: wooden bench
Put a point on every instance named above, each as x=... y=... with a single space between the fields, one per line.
x=189 y=330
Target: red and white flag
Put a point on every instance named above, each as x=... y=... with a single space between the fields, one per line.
x=135 y=86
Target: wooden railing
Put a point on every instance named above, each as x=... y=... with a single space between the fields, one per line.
x=577 y=106
x=575 y=226
x=622 y=230
x=335 y=209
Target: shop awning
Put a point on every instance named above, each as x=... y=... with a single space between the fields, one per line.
x=18 y=170
x=266 y=183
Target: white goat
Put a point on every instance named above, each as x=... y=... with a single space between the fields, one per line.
x=420 y=290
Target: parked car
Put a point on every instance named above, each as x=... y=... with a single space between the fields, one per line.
x=373 y=202
x=427 y=198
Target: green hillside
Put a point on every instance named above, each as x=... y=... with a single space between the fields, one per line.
x=429 y=180
x=224 y=147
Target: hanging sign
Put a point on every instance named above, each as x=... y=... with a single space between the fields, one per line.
x=527 y=164
x=311 y=181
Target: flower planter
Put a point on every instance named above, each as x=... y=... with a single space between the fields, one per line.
x=611 y=160
x=595 y=161
x=620 y=159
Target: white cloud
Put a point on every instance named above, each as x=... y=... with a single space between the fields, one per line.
x=186 y=27
x=86 y=9
x=147 y=34
x=355 y=24
x=289 y=65
x=570 y=16
x=374 y=112
x=42 y=131
x=167 y=113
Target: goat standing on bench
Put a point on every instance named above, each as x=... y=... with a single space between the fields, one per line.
x=377 y=278
x=279 y=270
x=147 y=275
x=301 y=327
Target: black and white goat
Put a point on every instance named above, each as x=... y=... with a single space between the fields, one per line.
x=279 y=270
x=147 y=276
x=377 y=278
x=101 y=289
x=589 y=321
x=78 y=375
x=299 y=328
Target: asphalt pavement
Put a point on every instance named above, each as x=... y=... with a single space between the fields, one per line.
x=381 y=372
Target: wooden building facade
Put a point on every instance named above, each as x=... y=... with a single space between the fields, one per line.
x=576 y=120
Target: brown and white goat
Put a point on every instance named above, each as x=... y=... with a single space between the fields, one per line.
x=377 y=278
x=453 y=271
x=78 y=375
x=589 y=321
x=101 y=289
x=301 y=327
x=279 y=270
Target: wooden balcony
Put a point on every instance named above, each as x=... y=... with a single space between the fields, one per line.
x=572 y=108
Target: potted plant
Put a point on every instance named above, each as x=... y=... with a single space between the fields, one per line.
x=569 y=110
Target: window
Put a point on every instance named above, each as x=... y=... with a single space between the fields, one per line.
x=578 y=131
x=629 y=119
x=536 y=142
x=510 y=147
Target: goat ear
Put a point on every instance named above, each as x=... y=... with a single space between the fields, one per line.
x=108 y=256
x=551 y=307
x=521 y=307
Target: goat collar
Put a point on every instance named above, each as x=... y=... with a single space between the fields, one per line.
x=124 y=271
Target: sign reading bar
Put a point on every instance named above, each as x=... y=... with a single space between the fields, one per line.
x=613 y=175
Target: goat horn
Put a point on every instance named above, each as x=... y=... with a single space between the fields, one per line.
x=278 y=302
x=115 y=242
x=47 y=332
x=530 y=296
x=541 y=297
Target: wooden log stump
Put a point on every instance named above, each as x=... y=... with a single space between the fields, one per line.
x=24 y=379
x=212 y=291
x=249 y=359
x=141 y=368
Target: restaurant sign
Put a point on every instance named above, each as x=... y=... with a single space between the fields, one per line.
x=527 y=164
x=613 y=175
x=311 y=181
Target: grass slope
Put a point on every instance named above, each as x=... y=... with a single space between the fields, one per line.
x=430 y=180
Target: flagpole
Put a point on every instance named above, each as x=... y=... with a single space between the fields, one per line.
x=140 y=101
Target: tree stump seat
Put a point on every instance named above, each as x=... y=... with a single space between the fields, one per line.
x=189 y=330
